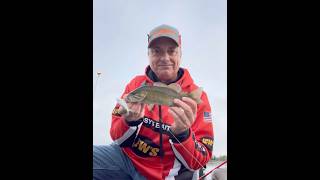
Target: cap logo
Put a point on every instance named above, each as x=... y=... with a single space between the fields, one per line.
x=164 y=31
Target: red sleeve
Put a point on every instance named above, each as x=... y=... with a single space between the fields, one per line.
x=196 y=150
x=120 y=131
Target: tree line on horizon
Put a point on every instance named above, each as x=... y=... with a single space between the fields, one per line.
x=219 y=158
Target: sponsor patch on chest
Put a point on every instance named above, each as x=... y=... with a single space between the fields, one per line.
x=144 y=147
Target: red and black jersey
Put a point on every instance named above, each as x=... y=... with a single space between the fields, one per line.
x=140 y=140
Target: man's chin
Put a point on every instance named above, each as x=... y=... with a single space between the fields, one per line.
x=166 y=76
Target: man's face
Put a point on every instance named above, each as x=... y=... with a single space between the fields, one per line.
x=164 y=56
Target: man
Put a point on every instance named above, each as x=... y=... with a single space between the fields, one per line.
x=158 y=142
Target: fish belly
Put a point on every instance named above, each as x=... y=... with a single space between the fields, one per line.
x=160 y=99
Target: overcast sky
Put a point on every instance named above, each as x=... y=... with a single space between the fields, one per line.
x=120 y=29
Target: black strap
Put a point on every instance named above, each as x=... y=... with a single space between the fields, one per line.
x=160 y=121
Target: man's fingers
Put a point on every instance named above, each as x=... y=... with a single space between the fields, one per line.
x=178 y=126
x=136 y=109
x=134 y=106
x=181 y=116
x=178 y=121
x=192 y=104
x=187 y=109
x=141 y=109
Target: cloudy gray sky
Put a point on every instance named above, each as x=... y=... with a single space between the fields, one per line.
x=120 y=31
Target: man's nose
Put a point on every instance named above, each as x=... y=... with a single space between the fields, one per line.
x=165 y=56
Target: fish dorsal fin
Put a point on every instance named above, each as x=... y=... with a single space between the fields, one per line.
x=160 y=84
x=175 y=87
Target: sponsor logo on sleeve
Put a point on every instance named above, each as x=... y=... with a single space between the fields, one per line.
x=208 y=142
x=115 y=112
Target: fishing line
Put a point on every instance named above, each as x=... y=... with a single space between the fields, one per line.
x=212 y=170
x=186 y=149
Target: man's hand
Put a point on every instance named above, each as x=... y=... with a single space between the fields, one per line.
x=184 y=114
x=136 y=111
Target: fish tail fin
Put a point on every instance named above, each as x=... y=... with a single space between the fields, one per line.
x=125 y=109
x=196 y=95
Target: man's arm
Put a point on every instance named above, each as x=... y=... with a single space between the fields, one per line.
x=125 y=127
x=195 y=149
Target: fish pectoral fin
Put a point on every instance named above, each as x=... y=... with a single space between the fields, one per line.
x=150 y=106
